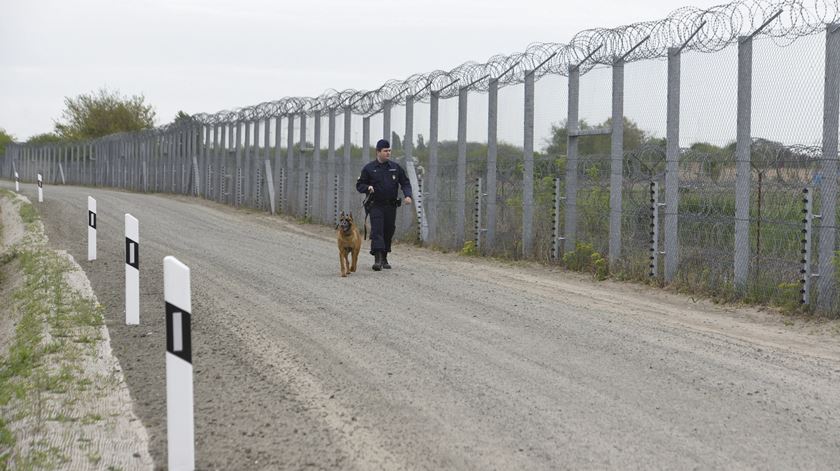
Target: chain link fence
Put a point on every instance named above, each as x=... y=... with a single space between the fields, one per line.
x=699 y=151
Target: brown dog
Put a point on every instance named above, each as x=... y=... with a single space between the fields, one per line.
x=349 y=242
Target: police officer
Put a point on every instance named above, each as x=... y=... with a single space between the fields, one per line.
x=380 y=179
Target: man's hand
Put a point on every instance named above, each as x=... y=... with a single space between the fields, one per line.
x=407 y=200
x=370 y=188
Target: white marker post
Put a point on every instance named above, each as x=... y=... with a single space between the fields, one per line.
x=17 y=182
x=179 y=371
x=132 y=270
x=91 y=228
x=40 y=189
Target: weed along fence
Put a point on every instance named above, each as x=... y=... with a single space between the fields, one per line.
x=728 y=115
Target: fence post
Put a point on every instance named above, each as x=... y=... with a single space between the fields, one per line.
x=248 y=167
x=317 y=197
x=742 y=169
x=291 y=183
x=431 y=178
x=238 y=170
x=672 y=174
x=330 y=159
x=254 y=166
x=617 y=160
x=278 y=165
x=572 y=158
x=492 y=154
x=302 y=157
x=826 y=284
x=348 y=174
x=386 y=120
x=408 y=150
x=528 y=169
x=221 y=158
x=461 y=173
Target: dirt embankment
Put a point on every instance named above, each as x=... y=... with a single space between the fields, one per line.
x=64 y=403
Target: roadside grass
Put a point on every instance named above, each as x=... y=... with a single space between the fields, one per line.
x=43 y=361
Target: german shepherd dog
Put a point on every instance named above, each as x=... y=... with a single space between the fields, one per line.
x=349 y=242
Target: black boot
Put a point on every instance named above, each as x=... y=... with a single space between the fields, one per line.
x=385 y=263
x=377 y=264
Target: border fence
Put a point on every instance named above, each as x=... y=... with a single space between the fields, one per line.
x=699 y=150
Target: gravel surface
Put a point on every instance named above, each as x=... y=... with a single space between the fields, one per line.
x=445 y=361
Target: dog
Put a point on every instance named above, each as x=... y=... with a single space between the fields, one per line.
x=349 y=243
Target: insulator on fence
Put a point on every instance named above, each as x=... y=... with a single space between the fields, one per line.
x=805 y=270
x=654 y=229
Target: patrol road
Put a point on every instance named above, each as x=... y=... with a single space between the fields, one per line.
x=445 y=361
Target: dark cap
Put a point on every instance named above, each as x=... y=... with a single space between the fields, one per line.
x=382 y=144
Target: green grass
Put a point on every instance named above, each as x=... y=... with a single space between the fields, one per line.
x=33 y=368
x=28 y=213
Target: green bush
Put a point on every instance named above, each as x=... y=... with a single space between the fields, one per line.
x=585 y=258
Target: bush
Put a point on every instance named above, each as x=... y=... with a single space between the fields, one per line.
x=585 y=258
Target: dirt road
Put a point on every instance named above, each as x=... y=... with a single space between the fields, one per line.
x=446 y=361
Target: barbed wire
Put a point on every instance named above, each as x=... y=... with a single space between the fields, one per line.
x=692 y=29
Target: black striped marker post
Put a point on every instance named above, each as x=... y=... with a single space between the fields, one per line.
x=132 y=270
x=179 y=371
x=91 y=228
x=40 y=188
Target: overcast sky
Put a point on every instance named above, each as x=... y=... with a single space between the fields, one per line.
x=209 y=55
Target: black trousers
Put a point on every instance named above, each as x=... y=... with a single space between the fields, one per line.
x=382 y=225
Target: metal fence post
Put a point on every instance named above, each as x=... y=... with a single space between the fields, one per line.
x=826 y=284
x=316 y=185
x=255 y=166
x=302 y=161
x=616 y=160
x=572 y=158
x=330 y=158
x=278 y=164
x=743 y=171
x=408 y=150
x=248 y=166
x=291 y=183
x=365 y=140
x=461 y=172
x=386 y=120
x=528 y=169
x=672 y=174
x=492 y=154
x=348 y=177
x=237 y=195
x=430 y=181
x=221 y=167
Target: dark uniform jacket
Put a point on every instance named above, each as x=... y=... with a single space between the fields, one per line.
x=386 y=179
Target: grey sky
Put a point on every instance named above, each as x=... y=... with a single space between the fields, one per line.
x=209 y=55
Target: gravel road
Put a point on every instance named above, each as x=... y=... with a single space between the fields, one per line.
x=445 y=361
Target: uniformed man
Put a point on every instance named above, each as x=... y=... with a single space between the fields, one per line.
x=381 y=179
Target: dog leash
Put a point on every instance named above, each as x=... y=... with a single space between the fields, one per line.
x=366 y=204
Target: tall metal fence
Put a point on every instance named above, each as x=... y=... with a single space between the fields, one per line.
x=700 y=150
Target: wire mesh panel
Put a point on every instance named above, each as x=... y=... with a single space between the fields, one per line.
x=788 y=82
x=750 y=80
x=642 y=165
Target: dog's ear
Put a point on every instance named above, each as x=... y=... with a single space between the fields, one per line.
x=351 y=214
x=342 y=214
